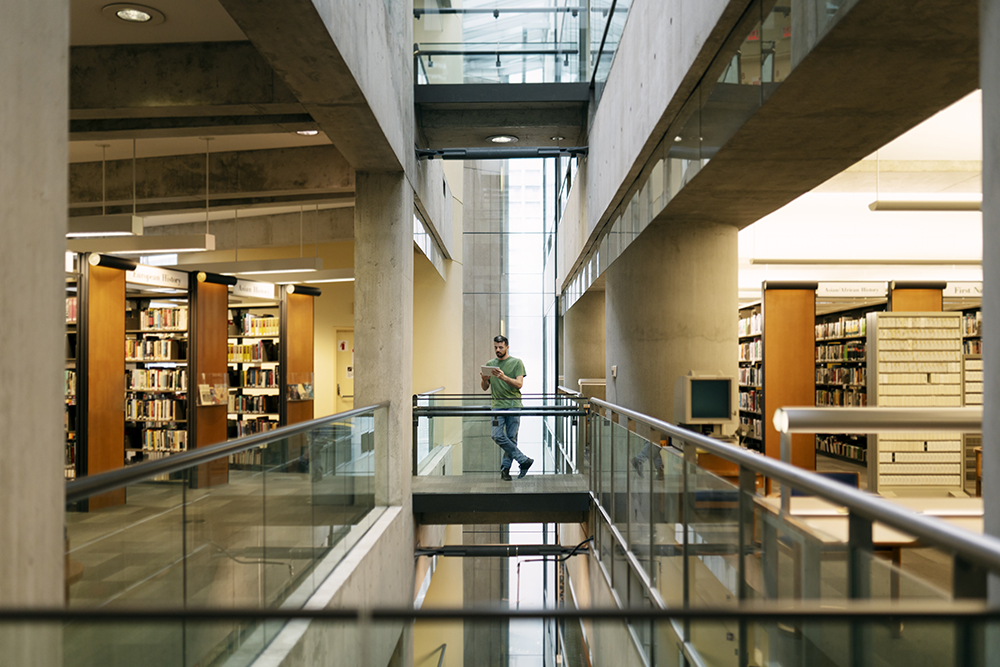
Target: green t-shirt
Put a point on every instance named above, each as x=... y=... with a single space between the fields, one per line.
x=504 y=395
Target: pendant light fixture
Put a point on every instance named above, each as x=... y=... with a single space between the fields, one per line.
x=88 y=226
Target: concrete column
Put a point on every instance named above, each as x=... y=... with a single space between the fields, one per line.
x=989 y=76
x=34 y=66
x=383 y=322
x=583 y=340
x=671 y=307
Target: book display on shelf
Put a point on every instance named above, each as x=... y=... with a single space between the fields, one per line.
x=254 y=377
x=972 y=331
x=69 y=391
x=842 y=373
x=156 y=364
x=972 y=395
x=916 y=361
x=751 y=377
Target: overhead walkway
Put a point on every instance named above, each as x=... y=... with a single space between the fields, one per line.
x=481 y=499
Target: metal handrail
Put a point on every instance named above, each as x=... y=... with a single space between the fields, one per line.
x=432 y=391
x=566 y=390
x=980 y=549
x=85 y=487
x=870 y=420
x=773 y=610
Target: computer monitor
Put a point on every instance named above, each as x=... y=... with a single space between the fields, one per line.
x=705 y=399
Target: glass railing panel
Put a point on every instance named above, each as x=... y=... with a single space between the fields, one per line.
x=126 y=550
x=606 y=57
x=619 y=509
x=668 y=531
x=641 y=472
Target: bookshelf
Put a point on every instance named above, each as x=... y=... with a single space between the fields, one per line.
x=254 y=369
x=916 y=361
x=751 y=380
x=842 y=369
x=972 y=395
x=209 y=371
x=156 y=363
x=72 y=346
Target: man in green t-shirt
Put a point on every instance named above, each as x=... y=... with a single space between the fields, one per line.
x=505 y=384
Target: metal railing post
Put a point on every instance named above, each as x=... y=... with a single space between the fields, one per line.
x=859 y=555
x=687 y=502
x=748 y=488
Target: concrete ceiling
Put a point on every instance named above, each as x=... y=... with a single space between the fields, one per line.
x=186 y=21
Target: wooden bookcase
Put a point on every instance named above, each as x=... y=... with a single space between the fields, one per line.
x=788 y=332
x=100 y=375
x=209 y=307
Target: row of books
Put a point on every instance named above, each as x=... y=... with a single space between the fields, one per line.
x=919 y=357
x=70 y=387
x=925 y=367
x=919 y=390
x=751 y=427
x=752 y=351
x=972 y=323
x=71 y=310
x=842 y=328
x=972 y=346
x=751 y=326
x=926 y=344
x=156 y=378
x=160 y=409
x=853 y=375
x=936 y=401
x=752 y=400
x=917 y=379
x=254 y=325
x=238 y=428
x=914 y=334
x=851 y=351
x=154 y=319
x=751 y=375
x=908 y=322
x=262 y=350
x=833 y=444
x=253 y=457
x=155 y=350
x=258 y=378
x=253 y=404
x=853 y=398
x=164 y=440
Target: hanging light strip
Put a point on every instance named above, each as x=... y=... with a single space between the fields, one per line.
x=144 y=245
x=249 y=267
x=124 y=224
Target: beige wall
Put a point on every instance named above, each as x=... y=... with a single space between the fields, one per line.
x=445 y=591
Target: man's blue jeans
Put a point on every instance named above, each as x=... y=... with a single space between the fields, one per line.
x=505 y=435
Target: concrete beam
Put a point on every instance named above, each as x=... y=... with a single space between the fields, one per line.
x=883 y=68
x=185 y=90
x=348 y=64
x=444 y=126
x=202 y=79
x=266 y=231
x=178 y=182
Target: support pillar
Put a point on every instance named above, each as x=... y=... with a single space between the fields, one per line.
x=671 y=308
x=989 y=76
x=383 y=322
x=34 y=72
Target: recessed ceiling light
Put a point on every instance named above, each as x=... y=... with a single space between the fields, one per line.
x=133 y=15
x=308 y=133
x=503 y=139
x=558 y=138
x=130 y=13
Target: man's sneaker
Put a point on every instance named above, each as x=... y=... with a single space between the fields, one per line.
x=505 y=474
x=524 y=468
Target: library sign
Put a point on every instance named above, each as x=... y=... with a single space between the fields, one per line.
x=872 y=290
x=253 y=289
x=157 y=277
x=963 y=289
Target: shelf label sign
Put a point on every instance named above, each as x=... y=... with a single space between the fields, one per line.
x=832 y=289
x=254 y=289
x=963 y=289
x=157 y=277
